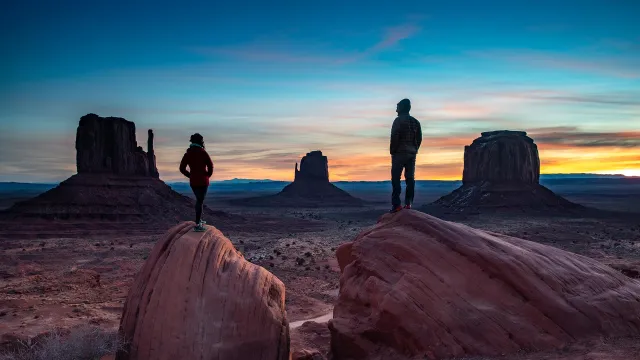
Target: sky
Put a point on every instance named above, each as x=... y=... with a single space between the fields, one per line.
x=267 y=81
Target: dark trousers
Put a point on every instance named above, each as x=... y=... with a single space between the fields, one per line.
x=400 y=162
x=200 y=192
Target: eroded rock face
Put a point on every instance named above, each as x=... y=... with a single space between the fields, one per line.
x=416 y=286
x=313 y=167
x=502 y=157
x=502 y=172
x=108 y=145
x=196 y=297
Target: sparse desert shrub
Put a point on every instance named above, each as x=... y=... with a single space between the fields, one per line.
x=80 y=343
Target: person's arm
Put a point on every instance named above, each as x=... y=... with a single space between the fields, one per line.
x=209 y=165
x=183 y=167
x=418 y=134
x=395 y=137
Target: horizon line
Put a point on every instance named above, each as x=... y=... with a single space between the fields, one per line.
x=338 y=181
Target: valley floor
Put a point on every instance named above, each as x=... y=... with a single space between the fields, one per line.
x=83 y=277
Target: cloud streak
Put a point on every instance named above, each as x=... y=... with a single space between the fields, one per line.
x=281 y=52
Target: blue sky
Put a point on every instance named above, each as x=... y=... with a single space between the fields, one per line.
x=266 y=82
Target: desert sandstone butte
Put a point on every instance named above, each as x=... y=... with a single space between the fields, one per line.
x=502 y=172
x=310 y=188
x=415 y=286
x=197 y=298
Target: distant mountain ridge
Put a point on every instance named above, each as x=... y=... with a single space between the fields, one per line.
x=11 y=185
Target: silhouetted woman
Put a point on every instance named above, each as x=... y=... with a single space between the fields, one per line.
x=200 y=170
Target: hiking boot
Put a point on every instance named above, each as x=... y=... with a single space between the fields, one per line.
x=395 y=209
x=199 y=228
x=408 y=206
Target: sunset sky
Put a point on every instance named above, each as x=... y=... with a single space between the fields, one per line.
x=267 y=81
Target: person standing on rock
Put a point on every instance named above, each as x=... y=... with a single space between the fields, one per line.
x=406 y=137
x=200 y=170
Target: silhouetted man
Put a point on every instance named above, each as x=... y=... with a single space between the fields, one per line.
x=200 y=170
x=406 y=137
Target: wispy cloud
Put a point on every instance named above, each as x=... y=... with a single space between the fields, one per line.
x=394 y=35
x=618 y=66
x=575 y=138
x=283 y=52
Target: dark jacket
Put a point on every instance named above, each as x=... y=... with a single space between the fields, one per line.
x=406 y=135
x=200 y=166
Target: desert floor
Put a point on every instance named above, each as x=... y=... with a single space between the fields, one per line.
x=77 y=274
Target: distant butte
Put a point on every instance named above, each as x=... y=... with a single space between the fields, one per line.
x=310 y=188
x=502 y=171
x=108 y=146
x=116 y=181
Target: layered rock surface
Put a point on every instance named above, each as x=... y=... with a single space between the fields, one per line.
x=310 y=188
x=415 y=286
x=502 y=170
x=196 y=297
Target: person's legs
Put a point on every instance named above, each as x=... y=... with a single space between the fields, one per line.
x=199 y=192
x=396 y=173
x=409 y=178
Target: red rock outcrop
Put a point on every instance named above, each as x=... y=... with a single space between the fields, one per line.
x=108 y=145
x=502 y=171
x=196 y=297
x=415 y=286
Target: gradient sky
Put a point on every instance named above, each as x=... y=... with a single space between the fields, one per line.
x=267 y=81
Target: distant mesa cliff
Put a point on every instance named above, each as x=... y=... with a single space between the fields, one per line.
x=313 y=167
x=108 y=145
x=501 y=156
x=501 y=171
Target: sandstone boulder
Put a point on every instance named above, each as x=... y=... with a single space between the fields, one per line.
x=196 y=297
x=414 y=286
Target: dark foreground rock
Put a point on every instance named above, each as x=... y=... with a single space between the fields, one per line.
x=196 y=297
x=415 y=287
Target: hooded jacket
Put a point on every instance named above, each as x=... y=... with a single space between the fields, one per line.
x=200 y=165
x=406 y=133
